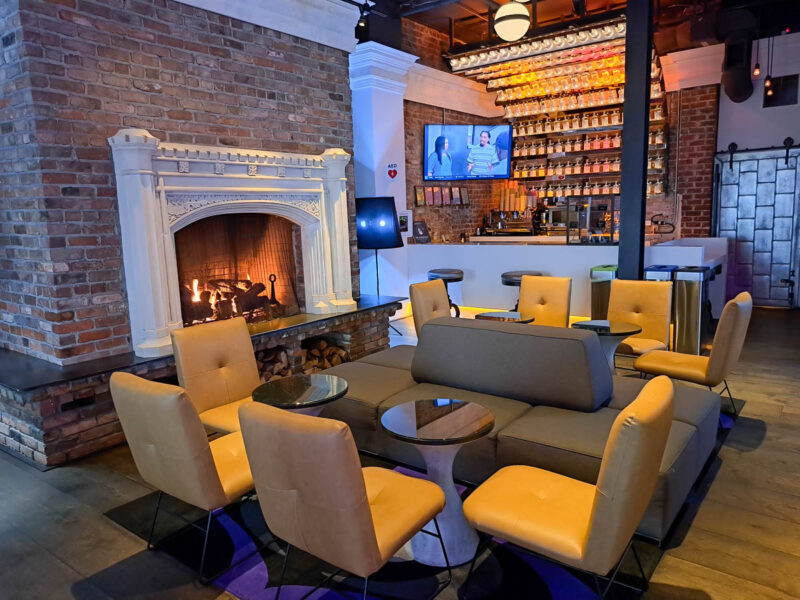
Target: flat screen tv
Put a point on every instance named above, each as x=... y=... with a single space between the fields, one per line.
x=457 y=152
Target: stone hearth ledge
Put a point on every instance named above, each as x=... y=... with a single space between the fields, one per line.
x=50 y=415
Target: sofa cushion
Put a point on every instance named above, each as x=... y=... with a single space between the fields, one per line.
x=399 y=357
x=367 y=386
x=572 y=443
x=539 y=365
x=693 y=405
x=475 y=460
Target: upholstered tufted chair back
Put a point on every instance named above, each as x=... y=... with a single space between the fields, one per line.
x=168 y=443
x=546 y=299
x=429 y=300
x=310 y=485
x=628 y=473
x=647 y=304
x=216 y=363
x=729 y=338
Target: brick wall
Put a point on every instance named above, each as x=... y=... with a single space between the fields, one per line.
x=87 y=69
x=425 y=42
x=692 y=149
x=483 y=195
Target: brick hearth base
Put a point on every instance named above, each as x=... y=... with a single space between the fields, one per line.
x=72 y=415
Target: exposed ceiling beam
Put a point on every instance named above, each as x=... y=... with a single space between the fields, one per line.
x=414 y=9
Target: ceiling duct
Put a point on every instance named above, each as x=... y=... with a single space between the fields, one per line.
x=737 y=28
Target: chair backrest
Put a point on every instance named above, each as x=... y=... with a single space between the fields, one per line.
x=216 y=363
x=546 y=298
x=429 y=300
x=167 y=440
x=310 y=485
x=628 y=474
x=729 y=338
x=647 y=304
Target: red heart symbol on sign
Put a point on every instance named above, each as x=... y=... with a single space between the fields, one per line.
x=392 y=173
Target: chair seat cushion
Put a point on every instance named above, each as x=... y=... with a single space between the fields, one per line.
x=399 y=357
x=688 y=367
x=232 y=465
x=225 y=418
x=637 y=345
x=536 y=509
x=400 y=506
x=367 y=386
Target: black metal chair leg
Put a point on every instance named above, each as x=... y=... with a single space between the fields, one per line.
x=611 y=579
x=366 y=583
x=730 y=396
x=205 y=547
x=645 y=582
x=150 y=545
x=443 y=586
x=472 y=566
x=283 y=572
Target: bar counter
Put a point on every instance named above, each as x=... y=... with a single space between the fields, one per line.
x=484 y=261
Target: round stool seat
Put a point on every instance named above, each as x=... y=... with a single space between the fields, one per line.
x=514 y=278
x=448 y=275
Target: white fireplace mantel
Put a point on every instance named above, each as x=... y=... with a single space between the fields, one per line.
x=163 y=187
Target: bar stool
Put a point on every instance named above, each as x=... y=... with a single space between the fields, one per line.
x=514 y=279
x=448 y=276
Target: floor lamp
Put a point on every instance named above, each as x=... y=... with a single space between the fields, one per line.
x=377 y=227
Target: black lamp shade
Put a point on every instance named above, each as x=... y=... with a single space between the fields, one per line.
x=376 y=223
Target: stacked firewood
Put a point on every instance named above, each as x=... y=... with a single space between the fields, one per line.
x=319 y=354
x=273 y=363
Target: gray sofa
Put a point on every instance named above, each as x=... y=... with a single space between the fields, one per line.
x=552 y=396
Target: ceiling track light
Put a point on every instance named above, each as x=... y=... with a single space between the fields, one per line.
x=363 y=10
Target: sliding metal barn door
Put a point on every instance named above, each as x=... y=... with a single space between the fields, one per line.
x=757 y=204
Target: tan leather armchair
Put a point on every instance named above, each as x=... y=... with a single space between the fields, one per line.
x=217 y=367
x=725 y=350
x=647 y=304
x=547 y=299
x=172 y=452
x=316 y=496
x=429 y=300
x=588 y=527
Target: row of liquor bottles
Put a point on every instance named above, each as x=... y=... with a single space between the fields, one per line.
x=580 y=121
x=655 y=187
x=589 y=143
x=528 y=169
x=574 y=101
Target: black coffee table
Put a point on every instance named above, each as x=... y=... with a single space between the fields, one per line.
x=438 y=428
x=508 y=316
x=306 y=394
x=611 y=334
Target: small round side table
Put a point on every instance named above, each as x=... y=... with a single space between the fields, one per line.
x=306 y=394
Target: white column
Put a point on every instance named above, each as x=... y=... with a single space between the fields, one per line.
x=143 y=230
x=335 y=203
x=378 y=83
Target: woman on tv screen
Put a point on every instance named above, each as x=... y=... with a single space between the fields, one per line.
x=483 y=157
x=440 y=163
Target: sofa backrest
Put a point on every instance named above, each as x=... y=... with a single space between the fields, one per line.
x=554 y=366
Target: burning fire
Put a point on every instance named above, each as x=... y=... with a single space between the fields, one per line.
x=195 y=291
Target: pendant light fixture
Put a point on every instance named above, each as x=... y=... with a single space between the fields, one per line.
x=770 y=55
x=757 y=68
x=511 y=21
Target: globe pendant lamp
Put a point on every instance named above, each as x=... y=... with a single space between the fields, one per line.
x=511 y=21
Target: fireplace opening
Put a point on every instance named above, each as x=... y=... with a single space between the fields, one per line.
x=239 y=265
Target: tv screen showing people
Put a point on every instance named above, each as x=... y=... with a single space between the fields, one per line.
x=455 y=152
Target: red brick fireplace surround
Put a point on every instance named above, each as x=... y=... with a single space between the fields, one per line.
x=76 y=72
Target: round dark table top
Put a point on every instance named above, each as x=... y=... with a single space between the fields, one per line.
x=508 y=316
x=446 y=274
x=514 y=278
x=604 y=327
x=301 y=391
x=438 y=421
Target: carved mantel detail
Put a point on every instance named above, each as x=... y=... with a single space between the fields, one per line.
x=162 y=187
